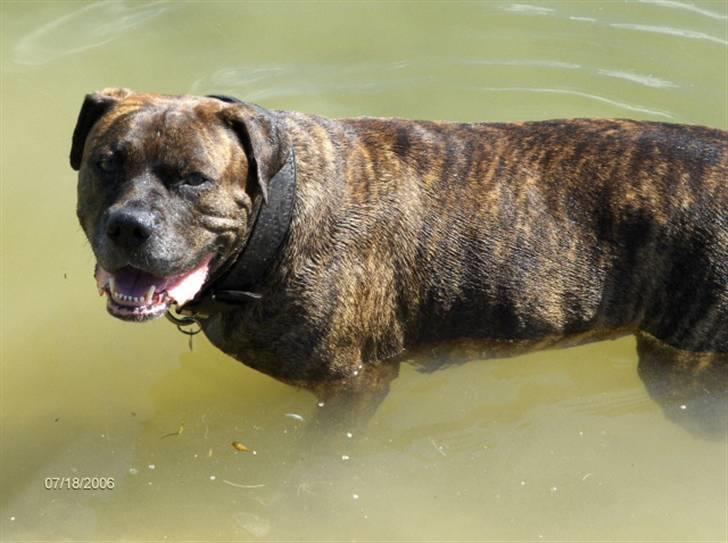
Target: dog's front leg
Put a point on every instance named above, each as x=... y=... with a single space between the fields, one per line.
x=349 y=404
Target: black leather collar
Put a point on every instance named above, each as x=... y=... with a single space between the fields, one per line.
x=268 y=227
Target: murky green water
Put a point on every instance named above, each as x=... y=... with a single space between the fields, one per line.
x=557 y=445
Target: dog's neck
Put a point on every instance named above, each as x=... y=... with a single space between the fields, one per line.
x=268 y=227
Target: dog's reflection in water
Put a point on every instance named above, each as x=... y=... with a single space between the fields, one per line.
x=691 y=388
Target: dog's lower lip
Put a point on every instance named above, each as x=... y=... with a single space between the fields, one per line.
x=138 y=313
x=138 y=295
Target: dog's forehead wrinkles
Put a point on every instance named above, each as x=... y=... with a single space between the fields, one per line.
x=173 y=135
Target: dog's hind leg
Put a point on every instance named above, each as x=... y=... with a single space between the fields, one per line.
x=691 y=388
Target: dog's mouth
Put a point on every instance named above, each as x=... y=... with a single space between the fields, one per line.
x=136 y=295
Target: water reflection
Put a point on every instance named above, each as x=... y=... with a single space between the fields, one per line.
x=563 y=444
x=87 y=27
x=674 y=4
x=670 y=31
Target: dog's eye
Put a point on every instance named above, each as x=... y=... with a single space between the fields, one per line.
x=107 y=164
x=195 y=179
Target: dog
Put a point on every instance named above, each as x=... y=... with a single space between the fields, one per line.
x=322 y=251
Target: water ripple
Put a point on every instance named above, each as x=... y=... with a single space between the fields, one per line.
x=646 y=80
x=595 y=97
x=670 y=31
x=526 y=62
x=527 y=8
x=260 y=83
x=687 y=7
x=90 y=26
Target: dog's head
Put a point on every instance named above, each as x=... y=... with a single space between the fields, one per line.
x=165 y=191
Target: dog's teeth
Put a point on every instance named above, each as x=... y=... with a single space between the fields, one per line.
x=150 y=294
x=112 y=284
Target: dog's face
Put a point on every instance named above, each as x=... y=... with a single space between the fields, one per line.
x=165 y=191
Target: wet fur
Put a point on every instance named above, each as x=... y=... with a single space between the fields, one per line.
x=409 y=234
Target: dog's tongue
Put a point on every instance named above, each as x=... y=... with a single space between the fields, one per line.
x=133 y=282
x=183 y=288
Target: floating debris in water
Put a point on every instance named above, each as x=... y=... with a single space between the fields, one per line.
x=212 y=477
x=345 y=457
x=295 y=416
x=355 y=496
x=683 y=407
x=438 y=448
x=133 y=471
x=239 y=485
x=177 y=433
x=240 y=447
x=321 y=404
x=152 y=466
x=349 y=435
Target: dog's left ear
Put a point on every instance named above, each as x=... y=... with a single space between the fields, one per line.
x=94 y=107
x=263 y=138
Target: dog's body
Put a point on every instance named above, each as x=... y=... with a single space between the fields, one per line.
x=408 y=233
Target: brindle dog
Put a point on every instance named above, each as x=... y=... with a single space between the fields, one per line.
x=404 y=234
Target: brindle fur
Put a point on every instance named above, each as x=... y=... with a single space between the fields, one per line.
x=411 y=233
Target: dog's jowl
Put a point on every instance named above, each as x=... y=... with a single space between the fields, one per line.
x=315 y=250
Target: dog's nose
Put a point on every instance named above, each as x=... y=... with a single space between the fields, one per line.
x=130 y=229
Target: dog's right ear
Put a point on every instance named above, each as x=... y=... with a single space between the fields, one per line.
x=94 y=107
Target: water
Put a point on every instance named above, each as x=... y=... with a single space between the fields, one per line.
x=562 y=444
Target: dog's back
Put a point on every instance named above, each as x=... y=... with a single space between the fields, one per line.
x=541 y=229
